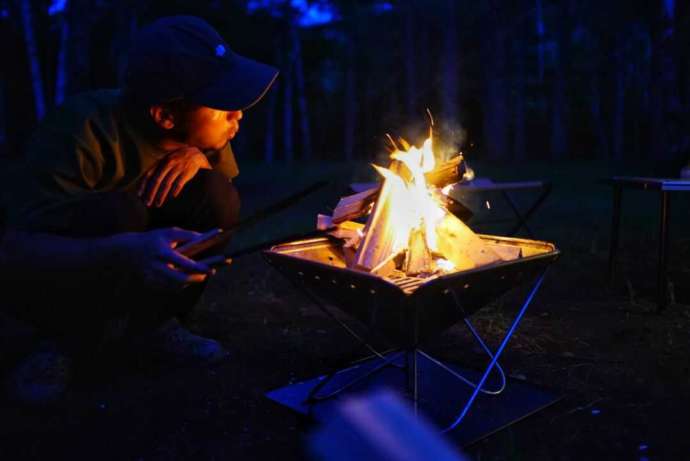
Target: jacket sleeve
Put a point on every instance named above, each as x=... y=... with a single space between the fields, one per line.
x=58 y=170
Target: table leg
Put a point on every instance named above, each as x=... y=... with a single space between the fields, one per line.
x=520 y=220
x=615 y=230
x=546 y=190
x=662 y=274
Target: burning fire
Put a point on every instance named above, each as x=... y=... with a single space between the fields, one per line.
x=415 y=208
x=409 y=228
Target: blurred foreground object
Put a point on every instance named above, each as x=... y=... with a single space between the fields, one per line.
x=379 y=427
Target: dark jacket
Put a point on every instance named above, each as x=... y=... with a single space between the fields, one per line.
x=86 y=146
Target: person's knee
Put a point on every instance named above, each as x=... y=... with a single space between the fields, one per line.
x=220 y=198
x=109 y=213
x=125 y=212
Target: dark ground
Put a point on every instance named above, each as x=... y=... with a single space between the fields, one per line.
x=624 y=371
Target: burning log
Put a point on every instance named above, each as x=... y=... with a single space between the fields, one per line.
x=379 y=232
x=411 y=228
x=356 y=205
x=506 y=252
x=350 y=232
x=446 y=173
x=461 y=246
x=418 y=259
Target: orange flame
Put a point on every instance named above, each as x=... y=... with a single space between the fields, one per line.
x=414 y=204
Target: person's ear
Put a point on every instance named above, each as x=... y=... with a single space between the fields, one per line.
x=162 y=117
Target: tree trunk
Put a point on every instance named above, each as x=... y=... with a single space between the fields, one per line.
x=559 y=133
x=61 y=71
x=80 y=17
x=34 y=59
x=126 y=28
x=519 y=102
x=619 y=102
x=411 y=68
x=495 y=113
x=450 y=65
x=305 y=132
x=288 y=146
x=3 y=121
x=270 y=134
x=664 y=91
x=350 y=122
x=540 y=30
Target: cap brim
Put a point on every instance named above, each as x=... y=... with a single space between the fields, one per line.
x=239 y=87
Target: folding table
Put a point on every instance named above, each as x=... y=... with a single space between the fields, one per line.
x=664 y=187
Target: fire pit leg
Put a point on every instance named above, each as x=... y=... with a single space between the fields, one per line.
x=313 y=396
x=497 y=354
x=412 y=371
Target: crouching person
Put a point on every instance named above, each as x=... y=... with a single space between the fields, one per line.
x=108 y=175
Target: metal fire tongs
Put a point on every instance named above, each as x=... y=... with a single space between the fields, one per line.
x=219 y=237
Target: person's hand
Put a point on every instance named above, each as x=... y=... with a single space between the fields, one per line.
x=171 y=174
x=151 y=257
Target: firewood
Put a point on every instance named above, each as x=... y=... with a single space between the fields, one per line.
x=354 y=206
x=324 y=222
x=506 y=252
x=418 y=259
x=379 y=231
x=446 y=173
x=350 y=232
x=458 y=244
x=385 y=267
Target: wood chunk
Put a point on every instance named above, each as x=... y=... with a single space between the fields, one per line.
x=353 y=206
x=449 y=172
x=506 y=252
x=386 y=267
x=350 y=232
x=379 y=233
x=356 y=205
x=324 y=222
x=458 y=244
x=418 y=259
x=349 y=255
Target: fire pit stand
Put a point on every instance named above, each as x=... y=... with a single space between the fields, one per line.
x=406 y=311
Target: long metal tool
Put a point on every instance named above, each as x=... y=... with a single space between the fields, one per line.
x=224 y=235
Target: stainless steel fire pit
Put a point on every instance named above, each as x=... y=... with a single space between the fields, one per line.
x=409 y=310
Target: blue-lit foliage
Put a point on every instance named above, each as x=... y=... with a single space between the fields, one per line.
x=57 y=7
x=308 y=14
x=382 y=7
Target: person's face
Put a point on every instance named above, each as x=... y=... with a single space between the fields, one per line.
x=208 y=128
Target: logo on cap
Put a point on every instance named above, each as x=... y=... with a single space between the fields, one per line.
x=220 y=50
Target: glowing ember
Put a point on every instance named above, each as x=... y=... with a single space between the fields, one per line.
x=445 y=265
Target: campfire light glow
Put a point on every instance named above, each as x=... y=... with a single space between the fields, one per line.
x=410 y=231
x=413 y=207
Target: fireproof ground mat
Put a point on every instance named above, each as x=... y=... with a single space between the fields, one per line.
x=441 y=397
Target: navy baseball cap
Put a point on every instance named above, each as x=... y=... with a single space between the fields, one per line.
x=183 y=57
